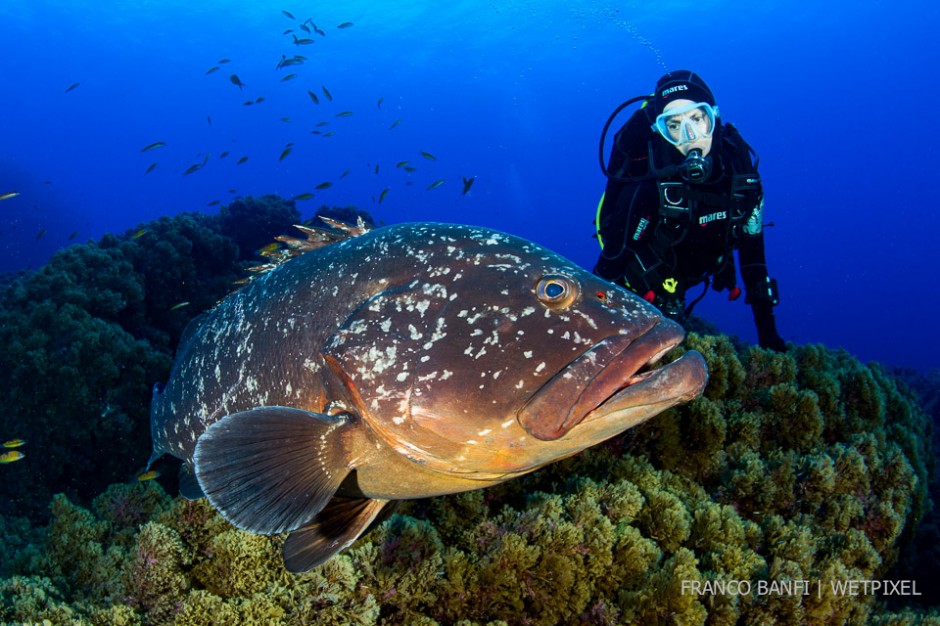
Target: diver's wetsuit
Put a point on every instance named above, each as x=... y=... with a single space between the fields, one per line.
x=661 y=235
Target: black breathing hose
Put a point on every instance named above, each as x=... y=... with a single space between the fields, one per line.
x=610 y=120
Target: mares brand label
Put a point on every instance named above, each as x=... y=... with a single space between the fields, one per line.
x=712 y=217
x=673 y=90
x=640 y=228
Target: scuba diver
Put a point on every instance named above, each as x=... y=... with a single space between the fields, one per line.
x=682 y=193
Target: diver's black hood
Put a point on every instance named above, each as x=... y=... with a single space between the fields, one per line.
x=679 y=85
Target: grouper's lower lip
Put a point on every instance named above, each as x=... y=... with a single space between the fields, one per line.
x=656 y=390
x=607 y=380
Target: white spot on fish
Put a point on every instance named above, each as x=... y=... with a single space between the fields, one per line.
x=382 y=361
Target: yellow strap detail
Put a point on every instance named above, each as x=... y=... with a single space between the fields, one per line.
x=597 y=221
x=670 y=285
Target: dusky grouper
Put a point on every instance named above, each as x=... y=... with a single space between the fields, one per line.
x=413 y=360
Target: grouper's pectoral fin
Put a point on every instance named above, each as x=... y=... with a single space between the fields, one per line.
x=272 y=469
x=335 y=528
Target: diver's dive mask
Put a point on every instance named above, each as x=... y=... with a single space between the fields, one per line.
x=686 y=124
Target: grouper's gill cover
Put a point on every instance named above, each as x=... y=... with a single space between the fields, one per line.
x=411 y=361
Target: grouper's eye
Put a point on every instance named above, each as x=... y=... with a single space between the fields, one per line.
x=557 y=292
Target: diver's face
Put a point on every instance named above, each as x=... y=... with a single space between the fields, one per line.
x=692 y=129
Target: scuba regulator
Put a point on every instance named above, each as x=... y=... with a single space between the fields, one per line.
x=696 y=167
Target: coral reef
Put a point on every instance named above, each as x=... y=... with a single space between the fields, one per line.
x=85 y=337
x=799 y=466
x=921 y=558
x=805 y=466
x=253 y=222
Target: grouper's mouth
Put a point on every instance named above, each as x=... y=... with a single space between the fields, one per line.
x=616 y=376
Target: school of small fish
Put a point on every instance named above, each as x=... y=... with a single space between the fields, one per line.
x=13 y=455
x=305 y=33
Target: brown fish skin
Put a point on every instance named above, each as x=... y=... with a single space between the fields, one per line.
x=441 y=358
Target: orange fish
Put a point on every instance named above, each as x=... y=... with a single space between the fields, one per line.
x=11 y=457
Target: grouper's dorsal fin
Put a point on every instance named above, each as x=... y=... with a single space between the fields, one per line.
x=333 y=529
x=319 y=237
x=351 y=230
x=315 y=238
x=272 y=469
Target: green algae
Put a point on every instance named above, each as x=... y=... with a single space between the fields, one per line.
x=800 y=466
x=790 y=475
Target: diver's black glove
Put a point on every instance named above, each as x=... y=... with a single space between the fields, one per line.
x=767 y=335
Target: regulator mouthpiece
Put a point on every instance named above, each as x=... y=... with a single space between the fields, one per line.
x=696 y=167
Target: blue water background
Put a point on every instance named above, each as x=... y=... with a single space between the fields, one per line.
x=838 y=99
